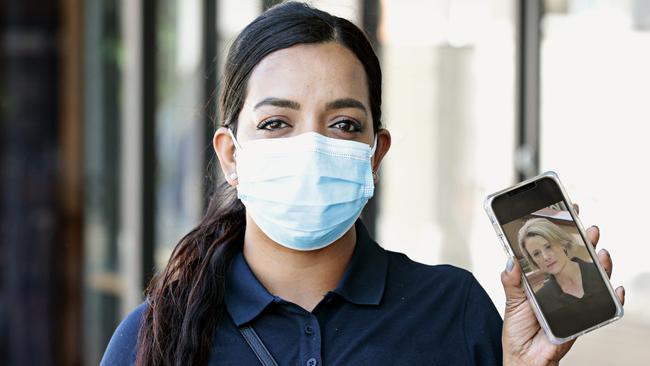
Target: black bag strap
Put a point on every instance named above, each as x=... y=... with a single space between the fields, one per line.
x=258 y=347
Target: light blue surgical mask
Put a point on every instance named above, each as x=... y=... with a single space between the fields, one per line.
x=304 y=192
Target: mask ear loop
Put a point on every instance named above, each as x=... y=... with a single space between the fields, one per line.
x=374 y=147
x=234 y=140
x=233 y=175
x=375 y=175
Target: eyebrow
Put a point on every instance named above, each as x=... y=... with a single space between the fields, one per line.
x=336 y=104
x=278 y=102
x=346 y=103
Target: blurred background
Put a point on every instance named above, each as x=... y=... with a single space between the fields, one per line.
x=107 y=112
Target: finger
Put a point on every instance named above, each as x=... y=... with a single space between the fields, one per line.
x=576 y=208
x=511 y=280
x=593 y=234
x=620 y=293
x=605 y=260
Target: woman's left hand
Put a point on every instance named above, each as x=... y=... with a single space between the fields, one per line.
x=524 y=341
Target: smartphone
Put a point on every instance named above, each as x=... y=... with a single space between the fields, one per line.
x=564 y=281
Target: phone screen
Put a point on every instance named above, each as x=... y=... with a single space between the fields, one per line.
x=553 y=255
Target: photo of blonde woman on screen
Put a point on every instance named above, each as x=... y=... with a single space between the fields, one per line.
x=549 y=249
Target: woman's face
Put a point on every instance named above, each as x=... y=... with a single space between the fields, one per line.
x=548 y=256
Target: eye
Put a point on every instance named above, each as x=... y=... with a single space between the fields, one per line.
x=272 y=125
x=536 y=253
x=547 y=246
x=347 y=125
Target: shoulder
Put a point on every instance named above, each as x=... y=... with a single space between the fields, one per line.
x=121 y=348
x=546 y=292
x=451 y=303
x=588 y=270
x=585 y=266
x=550 y=296
x=405 y=270
x=439 y=285
x=549 y=293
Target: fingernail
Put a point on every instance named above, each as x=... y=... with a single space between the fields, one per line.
x=510 y=265
x=594 y=226
x=623 y=290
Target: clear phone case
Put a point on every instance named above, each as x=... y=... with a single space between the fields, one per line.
x=529 y=292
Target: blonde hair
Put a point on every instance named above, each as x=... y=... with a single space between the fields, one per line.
x=547 y=230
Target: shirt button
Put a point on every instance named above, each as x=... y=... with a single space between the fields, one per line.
x=309 y=330
x=312 y=362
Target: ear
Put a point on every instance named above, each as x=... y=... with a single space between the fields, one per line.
x=383 y=144
x=224 y=146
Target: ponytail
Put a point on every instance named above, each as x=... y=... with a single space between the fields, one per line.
x=186 y=299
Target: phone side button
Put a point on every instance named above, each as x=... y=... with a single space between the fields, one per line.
x=504 y=244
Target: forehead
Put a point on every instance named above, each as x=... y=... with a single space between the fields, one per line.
x=307 y=71
x=535 y=242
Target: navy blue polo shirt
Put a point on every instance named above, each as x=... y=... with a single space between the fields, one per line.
x=387 y=310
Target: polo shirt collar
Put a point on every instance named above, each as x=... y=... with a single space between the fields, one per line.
x=363 y=282
x=365 y=278
x=245 y=297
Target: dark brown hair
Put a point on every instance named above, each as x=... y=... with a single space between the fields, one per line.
x=186 y=299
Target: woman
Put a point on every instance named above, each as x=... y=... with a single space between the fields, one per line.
x=546 y=247
x=288 y=259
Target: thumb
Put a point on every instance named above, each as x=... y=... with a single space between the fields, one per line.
x=511 y=280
